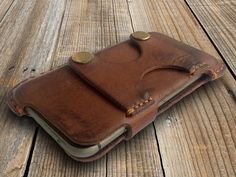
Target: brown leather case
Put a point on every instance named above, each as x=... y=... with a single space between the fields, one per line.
x=121 y=86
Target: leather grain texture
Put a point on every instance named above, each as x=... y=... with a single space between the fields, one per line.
x=86 y=103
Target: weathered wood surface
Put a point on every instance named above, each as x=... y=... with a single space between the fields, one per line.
x=197 y=136
x=194 y=138
x=218 y=18
x=4 y=7
x=91 y=26
x=28 y=34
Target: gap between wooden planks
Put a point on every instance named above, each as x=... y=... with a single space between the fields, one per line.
x=218 y=18
x=91 y=26
x=197 y=136
x=28 y=34
x=190 y=145
x=4 y=7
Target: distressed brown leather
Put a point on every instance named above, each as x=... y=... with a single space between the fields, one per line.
x=86 y=103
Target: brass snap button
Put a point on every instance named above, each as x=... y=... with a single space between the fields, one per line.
x=141 y=35
x=82 y=57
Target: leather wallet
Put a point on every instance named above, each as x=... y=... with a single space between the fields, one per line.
x=95 y=101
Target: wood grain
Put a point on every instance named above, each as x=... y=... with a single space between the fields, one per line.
x=80 y=27
x=219 y=20
x=92 y=26
x=28 y=37
x=197 y=136
x=4 y=7
x=50 y=160
x=140 y=156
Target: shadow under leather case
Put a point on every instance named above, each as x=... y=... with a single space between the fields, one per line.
x=126 y=85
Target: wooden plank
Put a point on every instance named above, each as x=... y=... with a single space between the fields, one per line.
x=50 y=160
x=140 y=156
x=79 y=31
x=93 y=25
x=218 y=19
x=197 y=136
x=136 y=157
x=28 y=37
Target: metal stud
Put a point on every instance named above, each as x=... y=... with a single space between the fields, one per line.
x=140 y=35
x=82 y=57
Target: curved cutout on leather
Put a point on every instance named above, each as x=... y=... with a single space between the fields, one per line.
x=155 y=68
x=81 y=100
x=182 y=63
x=157 y=52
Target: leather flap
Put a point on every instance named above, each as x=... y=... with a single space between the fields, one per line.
x=119 y=73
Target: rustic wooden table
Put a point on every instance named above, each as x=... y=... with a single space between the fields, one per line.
x=194 y=138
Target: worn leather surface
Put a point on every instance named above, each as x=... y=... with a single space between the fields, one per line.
x=85 y=103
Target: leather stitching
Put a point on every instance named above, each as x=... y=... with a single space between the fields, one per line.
x=131 y=111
